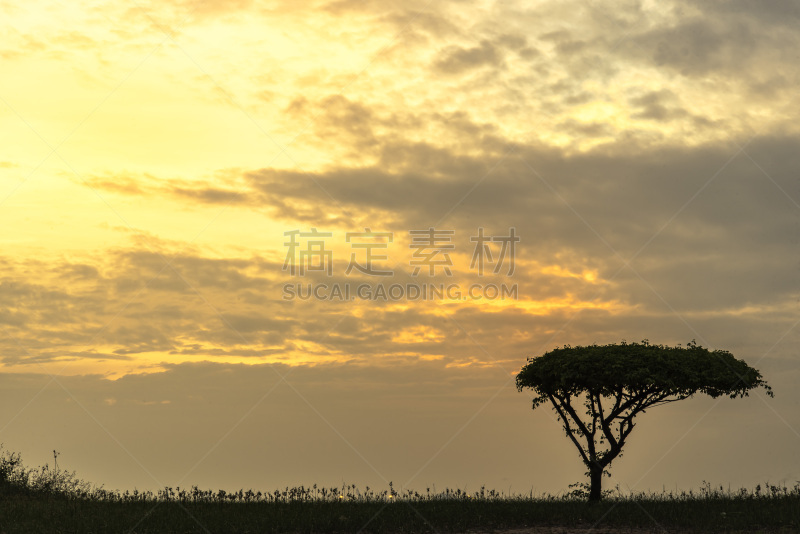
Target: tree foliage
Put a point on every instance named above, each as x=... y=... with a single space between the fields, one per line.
x=614 y=383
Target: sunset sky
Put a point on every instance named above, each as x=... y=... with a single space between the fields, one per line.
x=158 y=156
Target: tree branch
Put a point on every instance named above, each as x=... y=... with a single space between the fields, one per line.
x=570 y=433
x=589 y=437
x=605 y=423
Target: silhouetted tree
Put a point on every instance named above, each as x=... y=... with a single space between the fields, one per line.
x=617 y=382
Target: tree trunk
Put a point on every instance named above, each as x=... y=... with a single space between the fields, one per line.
x=596 y=480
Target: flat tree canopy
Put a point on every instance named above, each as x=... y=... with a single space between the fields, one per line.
x=616 y=382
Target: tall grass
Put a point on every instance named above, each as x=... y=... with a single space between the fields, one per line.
x=53 y=500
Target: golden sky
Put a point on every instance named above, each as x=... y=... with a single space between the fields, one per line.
x=155 y=155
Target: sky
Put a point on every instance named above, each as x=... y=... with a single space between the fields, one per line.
x=177 y=176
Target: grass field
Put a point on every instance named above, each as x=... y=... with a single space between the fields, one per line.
x=52 y=500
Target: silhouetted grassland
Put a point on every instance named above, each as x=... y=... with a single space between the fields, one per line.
x=53 y=500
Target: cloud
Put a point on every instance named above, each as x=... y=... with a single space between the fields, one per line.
x=780 y=12
x=694 y=47
x=696 y=220
x=564 y=43
x=642 y=224
x=692 y=223
x=591 y=129
x=654 y=105
x=455 y=60
x=718 y=40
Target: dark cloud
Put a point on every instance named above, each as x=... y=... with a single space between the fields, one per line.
x=705 y=218
x=418 y=24
x=564 y=43
x=584 y=129
x=241 y=315
x=127 y=185
x=694 y=47
x=456 y=60
x=13 y=318
x=335 y=117
x=715 y=42
x=81 y=271
x=778 y=12
x=210 y=195
x=664 y=106
x=656 y=105
x=514 y=41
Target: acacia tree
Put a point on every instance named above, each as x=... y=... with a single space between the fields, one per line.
x=617 y=382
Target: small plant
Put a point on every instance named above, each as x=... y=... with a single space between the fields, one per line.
x=582 y=490
x=15 y=478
